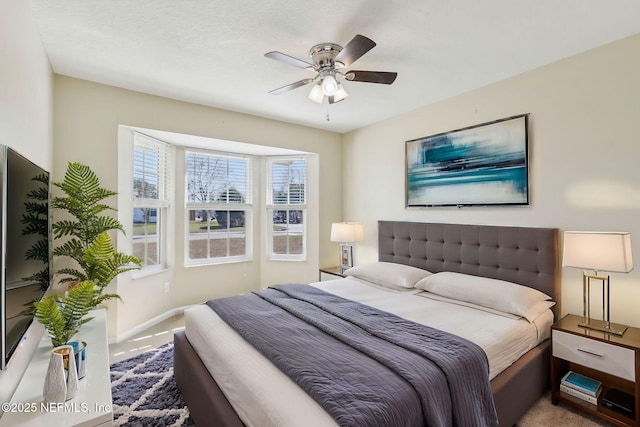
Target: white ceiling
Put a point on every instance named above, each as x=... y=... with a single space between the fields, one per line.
x=211 y=52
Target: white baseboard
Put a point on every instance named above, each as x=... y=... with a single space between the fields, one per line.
x=149 y=323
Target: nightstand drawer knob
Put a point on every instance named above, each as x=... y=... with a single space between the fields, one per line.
x=592 y=353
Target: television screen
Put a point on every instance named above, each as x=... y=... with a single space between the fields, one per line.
x=25 y=238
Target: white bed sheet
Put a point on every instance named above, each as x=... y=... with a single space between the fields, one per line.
x=263 y=396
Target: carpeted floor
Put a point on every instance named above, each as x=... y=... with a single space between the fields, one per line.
x=145 y=394
x=544 y=414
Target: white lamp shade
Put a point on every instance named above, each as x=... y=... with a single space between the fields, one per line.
x=599 y=251
x=316 y=94
x=340 y=94
x=346 y=232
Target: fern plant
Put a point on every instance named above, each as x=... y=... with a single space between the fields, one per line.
x=86 y=242
x=63 y=315
x=100 y=264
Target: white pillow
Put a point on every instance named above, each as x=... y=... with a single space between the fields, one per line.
x=388 y=274
x=496 y=294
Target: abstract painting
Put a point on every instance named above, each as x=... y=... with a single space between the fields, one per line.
x=485 y=164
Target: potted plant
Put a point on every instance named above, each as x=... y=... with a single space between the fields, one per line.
x=63 y=315
x=87 y=242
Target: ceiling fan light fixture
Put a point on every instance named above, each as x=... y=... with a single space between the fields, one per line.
x=316 y=94
x=329 y=85
x=340 y=93
x=327 y=59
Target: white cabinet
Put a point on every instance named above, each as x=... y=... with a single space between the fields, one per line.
x=92 y=406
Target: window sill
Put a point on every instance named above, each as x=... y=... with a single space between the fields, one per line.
x=209 y=262
x=149 y=271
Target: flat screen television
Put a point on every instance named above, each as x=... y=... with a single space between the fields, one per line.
x=25 y=254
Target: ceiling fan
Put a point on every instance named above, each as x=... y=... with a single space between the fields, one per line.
x=329 y=61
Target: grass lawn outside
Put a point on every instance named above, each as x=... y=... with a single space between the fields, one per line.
x=217 y=244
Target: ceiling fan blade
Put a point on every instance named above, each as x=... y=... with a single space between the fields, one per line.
x=289 y=87
x=279 y=56
x=383 y=77
x=332 y=100
x=357 y=47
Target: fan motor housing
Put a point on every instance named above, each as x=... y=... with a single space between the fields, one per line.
x=323 y=56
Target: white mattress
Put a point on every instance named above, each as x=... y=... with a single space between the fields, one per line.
x=263 y=396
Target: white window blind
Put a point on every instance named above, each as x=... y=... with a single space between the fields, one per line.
x=217 y=178
x=288 y=178
x=286 y=208
x=150 y=177
x=150 y=199
x=219 y=206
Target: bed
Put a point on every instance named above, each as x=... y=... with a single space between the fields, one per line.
x=526 y=256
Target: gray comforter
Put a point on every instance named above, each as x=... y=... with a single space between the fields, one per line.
x=364 y=366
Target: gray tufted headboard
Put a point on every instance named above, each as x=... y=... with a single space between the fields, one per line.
x=524 y=255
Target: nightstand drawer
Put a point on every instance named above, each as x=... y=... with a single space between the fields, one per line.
x=615 y=360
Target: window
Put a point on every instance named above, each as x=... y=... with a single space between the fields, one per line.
x=150 y=201
x=286 y=208
x=219 y=207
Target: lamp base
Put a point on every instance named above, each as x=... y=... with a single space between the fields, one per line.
x=346 y=257
x=599 y=325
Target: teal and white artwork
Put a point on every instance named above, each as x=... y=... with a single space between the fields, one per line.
x=484 y=164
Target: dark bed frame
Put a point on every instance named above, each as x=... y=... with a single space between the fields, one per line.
x=524 y=255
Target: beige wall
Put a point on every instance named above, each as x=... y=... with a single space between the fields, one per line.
x=584 y=152
x=86 y=130
x=25 y=125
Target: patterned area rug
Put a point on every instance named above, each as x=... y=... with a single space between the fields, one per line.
x=145 y=393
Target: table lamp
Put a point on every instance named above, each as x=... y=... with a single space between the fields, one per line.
x=598 y=251
x=346 y=233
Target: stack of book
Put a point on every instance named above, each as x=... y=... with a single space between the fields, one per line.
x=582 y=387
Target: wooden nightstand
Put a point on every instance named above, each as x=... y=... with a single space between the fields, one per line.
x=610 y=359
x=330 y=273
